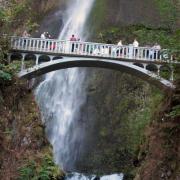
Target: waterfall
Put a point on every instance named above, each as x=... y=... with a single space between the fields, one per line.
x=62 y=93
x=60 y=97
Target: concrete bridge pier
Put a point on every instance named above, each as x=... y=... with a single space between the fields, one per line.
x=51 y=58
x=158 y=70
x=37 y=59
x=144 y=65
x=172 y=73
x=22 y=61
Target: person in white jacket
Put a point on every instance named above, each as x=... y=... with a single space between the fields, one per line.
x=135 y=43
x=43 y=35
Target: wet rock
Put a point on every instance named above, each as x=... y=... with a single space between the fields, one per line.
x=96 y=178
x=25 y=141
x=136 y=162
x=163 y=175
x=169 y=173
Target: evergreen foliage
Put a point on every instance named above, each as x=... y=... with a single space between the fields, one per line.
x=47 y=170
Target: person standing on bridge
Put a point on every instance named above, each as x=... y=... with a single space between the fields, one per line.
x=25 y=35
x=157 y=49
x=43 y=35
x=72 y=39
x=135 y=45
x=48 y=36
x=119 y=49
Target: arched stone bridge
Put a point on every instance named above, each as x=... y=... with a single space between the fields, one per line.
x=49 y=55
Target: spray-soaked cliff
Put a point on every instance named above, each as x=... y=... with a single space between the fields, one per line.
x=155 y=13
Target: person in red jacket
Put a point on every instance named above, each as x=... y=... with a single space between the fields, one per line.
x=72 y=39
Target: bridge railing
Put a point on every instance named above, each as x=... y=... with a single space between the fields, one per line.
x=85 y=48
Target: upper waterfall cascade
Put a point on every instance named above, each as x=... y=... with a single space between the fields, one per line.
x=61 y=94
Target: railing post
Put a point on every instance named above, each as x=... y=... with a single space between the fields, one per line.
x=22 y=62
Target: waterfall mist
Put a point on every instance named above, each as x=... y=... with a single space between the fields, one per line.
x=61 y=95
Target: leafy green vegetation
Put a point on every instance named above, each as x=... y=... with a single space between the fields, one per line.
x=175 y=112
x=47 y=170
x=99 y=11
x=169 y=12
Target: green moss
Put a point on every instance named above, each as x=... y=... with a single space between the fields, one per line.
x=40 y=166
x=98 y=13
x=169 y=12
x=44 y=170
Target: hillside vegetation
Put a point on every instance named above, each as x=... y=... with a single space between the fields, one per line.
x=25 y=152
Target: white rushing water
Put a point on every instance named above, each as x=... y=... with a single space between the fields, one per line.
x=61 y=95
x=77 y=176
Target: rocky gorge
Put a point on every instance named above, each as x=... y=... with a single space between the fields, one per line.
x=121 y=114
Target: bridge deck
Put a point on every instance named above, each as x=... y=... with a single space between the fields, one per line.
x=88 y=49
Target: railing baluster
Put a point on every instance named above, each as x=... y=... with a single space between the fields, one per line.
x=29 y=44
x=19 y=43
x=48 y=46
x=123 y=52
x=63 y=46
x=84 y=48
x=33 y=44
x=156 y=55
x=77 y=47
x=41 y=45
x=38 y=44
x=89 y=49
x=145 y=54
x=55 y=46
x=59 y=47
x=26 y=44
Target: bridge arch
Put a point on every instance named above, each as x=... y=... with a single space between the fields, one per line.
x=43 y=59
x=70 y=62
x=165 y=71
x=30 y=56
x=15 y=56
x=152 y=67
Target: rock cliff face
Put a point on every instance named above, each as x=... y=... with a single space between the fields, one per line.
x=119 y=107
x=117 y=110
x=118 y=13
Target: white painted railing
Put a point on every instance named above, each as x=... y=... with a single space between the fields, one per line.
x=85 y=48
